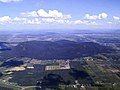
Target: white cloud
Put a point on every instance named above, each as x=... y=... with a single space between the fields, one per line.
x=93 y=23
x=53 y=20
x=95 y=17
x=50 y=17
x=19 y=20
x=116 y=18
x=53 y=17
x=43 y=14
x=7 y=1
x=48 y=20
x=85 y=22
x=30 y=14
x=81 y=22
x=102 y=16
x=110 y=22
x=33 y=20
x=5 y=19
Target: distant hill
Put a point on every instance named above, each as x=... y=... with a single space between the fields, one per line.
x=62 y=49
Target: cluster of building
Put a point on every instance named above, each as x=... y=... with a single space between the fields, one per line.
x=61 y=66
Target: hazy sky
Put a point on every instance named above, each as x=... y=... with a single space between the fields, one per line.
x=59 y=14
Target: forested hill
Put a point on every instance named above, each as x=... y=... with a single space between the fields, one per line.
x=62 y=49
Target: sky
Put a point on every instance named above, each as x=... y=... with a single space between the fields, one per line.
x=59 y=14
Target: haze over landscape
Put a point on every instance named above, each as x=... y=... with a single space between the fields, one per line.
x=59 y=45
